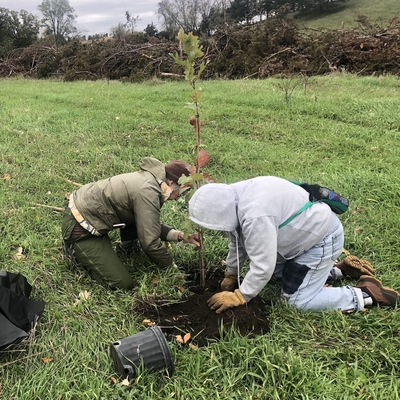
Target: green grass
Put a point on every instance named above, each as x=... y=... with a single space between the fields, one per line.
x=380 y=12
x=341 y=131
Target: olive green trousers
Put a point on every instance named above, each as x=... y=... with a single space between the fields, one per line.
x=95 y=254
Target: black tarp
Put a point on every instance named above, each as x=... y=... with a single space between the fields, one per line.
x=18 y=313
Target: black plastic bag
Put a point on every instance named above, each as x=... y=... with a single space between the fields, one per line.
x=18 y=313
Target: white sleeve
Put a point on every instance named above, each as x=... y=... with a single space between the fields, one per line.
x=261 y=243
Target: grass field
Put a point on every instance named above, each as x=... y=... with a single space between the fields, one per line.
x=339 y=130
x=380 y=12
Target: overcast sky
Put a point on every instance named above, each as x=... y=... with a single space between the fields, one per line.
x=97 y=16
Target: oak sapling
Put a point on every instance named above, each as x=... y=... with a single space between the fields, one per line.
x=193 y=66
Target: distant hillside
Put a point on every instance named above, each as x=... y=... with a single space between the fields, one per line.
x=375 y=10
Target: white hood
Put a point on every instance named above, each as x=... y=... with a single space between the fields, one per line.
x=214 y=206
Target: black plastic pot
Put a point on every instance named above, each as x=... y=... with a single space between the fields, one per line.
x=148 y=349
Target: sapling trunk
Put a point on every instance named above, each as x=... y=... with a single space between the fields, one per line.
x=200 y=230
x=189 y=44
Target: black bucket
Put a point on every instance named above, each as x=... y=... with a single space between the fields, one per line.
x=148 y=349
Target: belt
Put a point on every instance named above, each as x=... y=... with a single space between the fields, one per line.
x=78 y=216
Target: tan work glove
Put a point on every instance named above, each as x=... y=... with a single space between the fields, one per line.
x=229 y=283
x=224 y=300
x=353 y=267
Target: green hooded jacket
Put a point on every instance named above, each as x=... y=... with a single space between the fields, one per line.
x=131 y=198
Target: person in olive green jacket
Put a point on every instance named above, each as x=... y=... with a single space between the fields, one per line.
x=131 y=202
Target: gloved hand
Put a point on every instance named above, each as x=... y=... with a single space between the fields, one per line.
x=229 y=283
x=353 y=267
x=224 y=300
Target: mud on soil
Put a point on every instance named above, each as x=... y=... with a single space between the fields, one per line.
x=192 y=315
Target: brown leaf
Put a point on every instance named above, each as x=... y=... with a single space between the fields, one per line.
x=192 y=169
x=113 y=380
x=202 y=158
x=84 y=294
x=179 y=338
x=20 y=253
x=208 y=178
x=346 y=252
x=6 y=177
x=46 y=360
x=186 y=337
x=148 y=322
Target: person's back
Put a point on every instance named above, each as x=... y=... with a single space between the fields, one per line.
x=117 y=199
x=277 y=199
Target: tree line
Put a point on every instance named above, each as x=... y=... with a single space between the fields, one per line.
x=57 y=24
x=203 y=17
x=256 y=42
x=273 y=47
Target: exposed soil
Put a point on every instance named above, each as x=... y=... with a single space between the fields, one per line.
x=193 y=316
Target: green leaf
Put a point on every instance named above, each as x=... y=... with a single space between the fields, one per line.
x=187 y=227
x=185 y=180
x=198 y=177
x=196 y=95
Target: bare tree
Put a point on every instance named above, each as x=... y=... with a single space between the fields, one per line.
x=131 y=22
x=58 y=19
x=186 y=14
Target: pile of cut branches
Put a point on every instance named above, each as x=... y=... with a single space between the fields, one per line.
x=273 y=47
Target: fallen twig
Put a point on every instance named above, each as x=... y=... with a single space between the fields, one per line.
x=60 y=209
x=22 y=358
x=74 y=183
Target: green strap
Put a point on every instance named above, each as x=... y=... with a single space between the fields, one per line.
x=290 y=219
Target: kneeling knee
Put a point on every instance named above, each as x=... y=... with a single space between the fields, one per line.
x=293 y=300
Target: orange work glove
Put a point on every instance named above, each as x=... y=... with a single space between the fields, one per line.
x=229 y=283
x=224 y=300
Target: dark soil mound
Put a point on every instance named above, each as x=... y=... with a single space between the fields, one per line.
x=193 y=316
